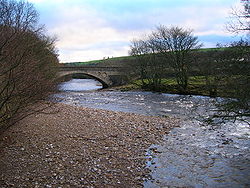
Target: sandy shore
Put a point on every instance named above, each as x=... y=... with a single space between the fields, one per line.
x=79 y=147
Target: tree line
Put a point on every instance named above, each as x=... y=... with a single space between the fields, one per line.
x=165 y=50
x=28 y=58
x=173 y=53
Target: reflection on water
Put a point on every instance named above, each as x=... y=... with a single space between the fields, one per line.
x=80 y=85
x=191 y=155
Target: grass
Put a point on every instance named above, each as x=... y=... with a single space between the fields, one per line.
x=94 y=62
x=197 y=86
x=120 y=59
x=208 y=49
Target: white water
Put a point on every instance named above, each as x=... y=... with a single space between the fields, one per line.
x=197 y=156
x=191 y=155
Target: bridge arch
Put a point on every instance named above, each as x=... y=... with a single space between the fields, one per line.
x=105 y=83
x=107 y=75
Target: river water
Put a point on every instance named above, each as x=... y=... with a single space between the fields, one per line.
x=192 y=155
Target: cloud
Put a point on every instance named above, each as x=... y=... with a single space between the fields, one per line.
x=94 y=52
x=80 y=30
x=88 y=29
x=85 y=31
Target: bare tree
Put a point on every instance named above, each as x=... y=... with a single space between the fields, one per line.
x=19 y=15
x=240 y=18
x=236 y=82
x=176 y=44
x=226 y=73
x=27 y=61
x=149 y=66
x=138 y=50
x=237 y=66
x=165 y=49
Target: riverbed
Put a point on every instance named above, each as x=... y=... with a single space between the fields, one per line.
x=192 y=155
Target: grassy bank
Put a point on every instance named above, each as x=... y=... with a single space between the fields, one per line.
x=197 y=86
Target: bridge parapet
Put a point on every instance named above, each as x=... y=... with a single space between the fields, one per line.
x=92 y=68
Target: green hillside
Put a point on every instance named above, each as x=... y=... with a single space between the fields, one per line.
x=94 y=62
x=121 y=59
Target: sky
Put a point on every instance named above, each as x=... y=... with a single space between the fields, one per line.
x=96 y=29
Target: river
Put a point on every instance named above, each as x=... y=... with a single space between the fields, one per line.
x=192 y=155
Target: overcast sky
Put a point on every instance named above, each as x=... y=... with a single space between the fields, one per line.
x=94 y=29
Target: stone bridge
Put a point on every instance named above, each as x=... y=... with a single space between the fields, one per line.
x=108 y=76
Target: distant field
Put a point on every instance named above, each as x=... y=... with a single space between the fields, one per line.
x=93 y=62
x=119 y=59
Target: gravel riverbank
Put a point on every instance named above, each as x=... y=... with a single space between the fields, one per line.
x=70 y=146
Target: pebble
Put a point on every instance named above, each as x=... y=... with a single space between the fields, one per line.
x=96 y=147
